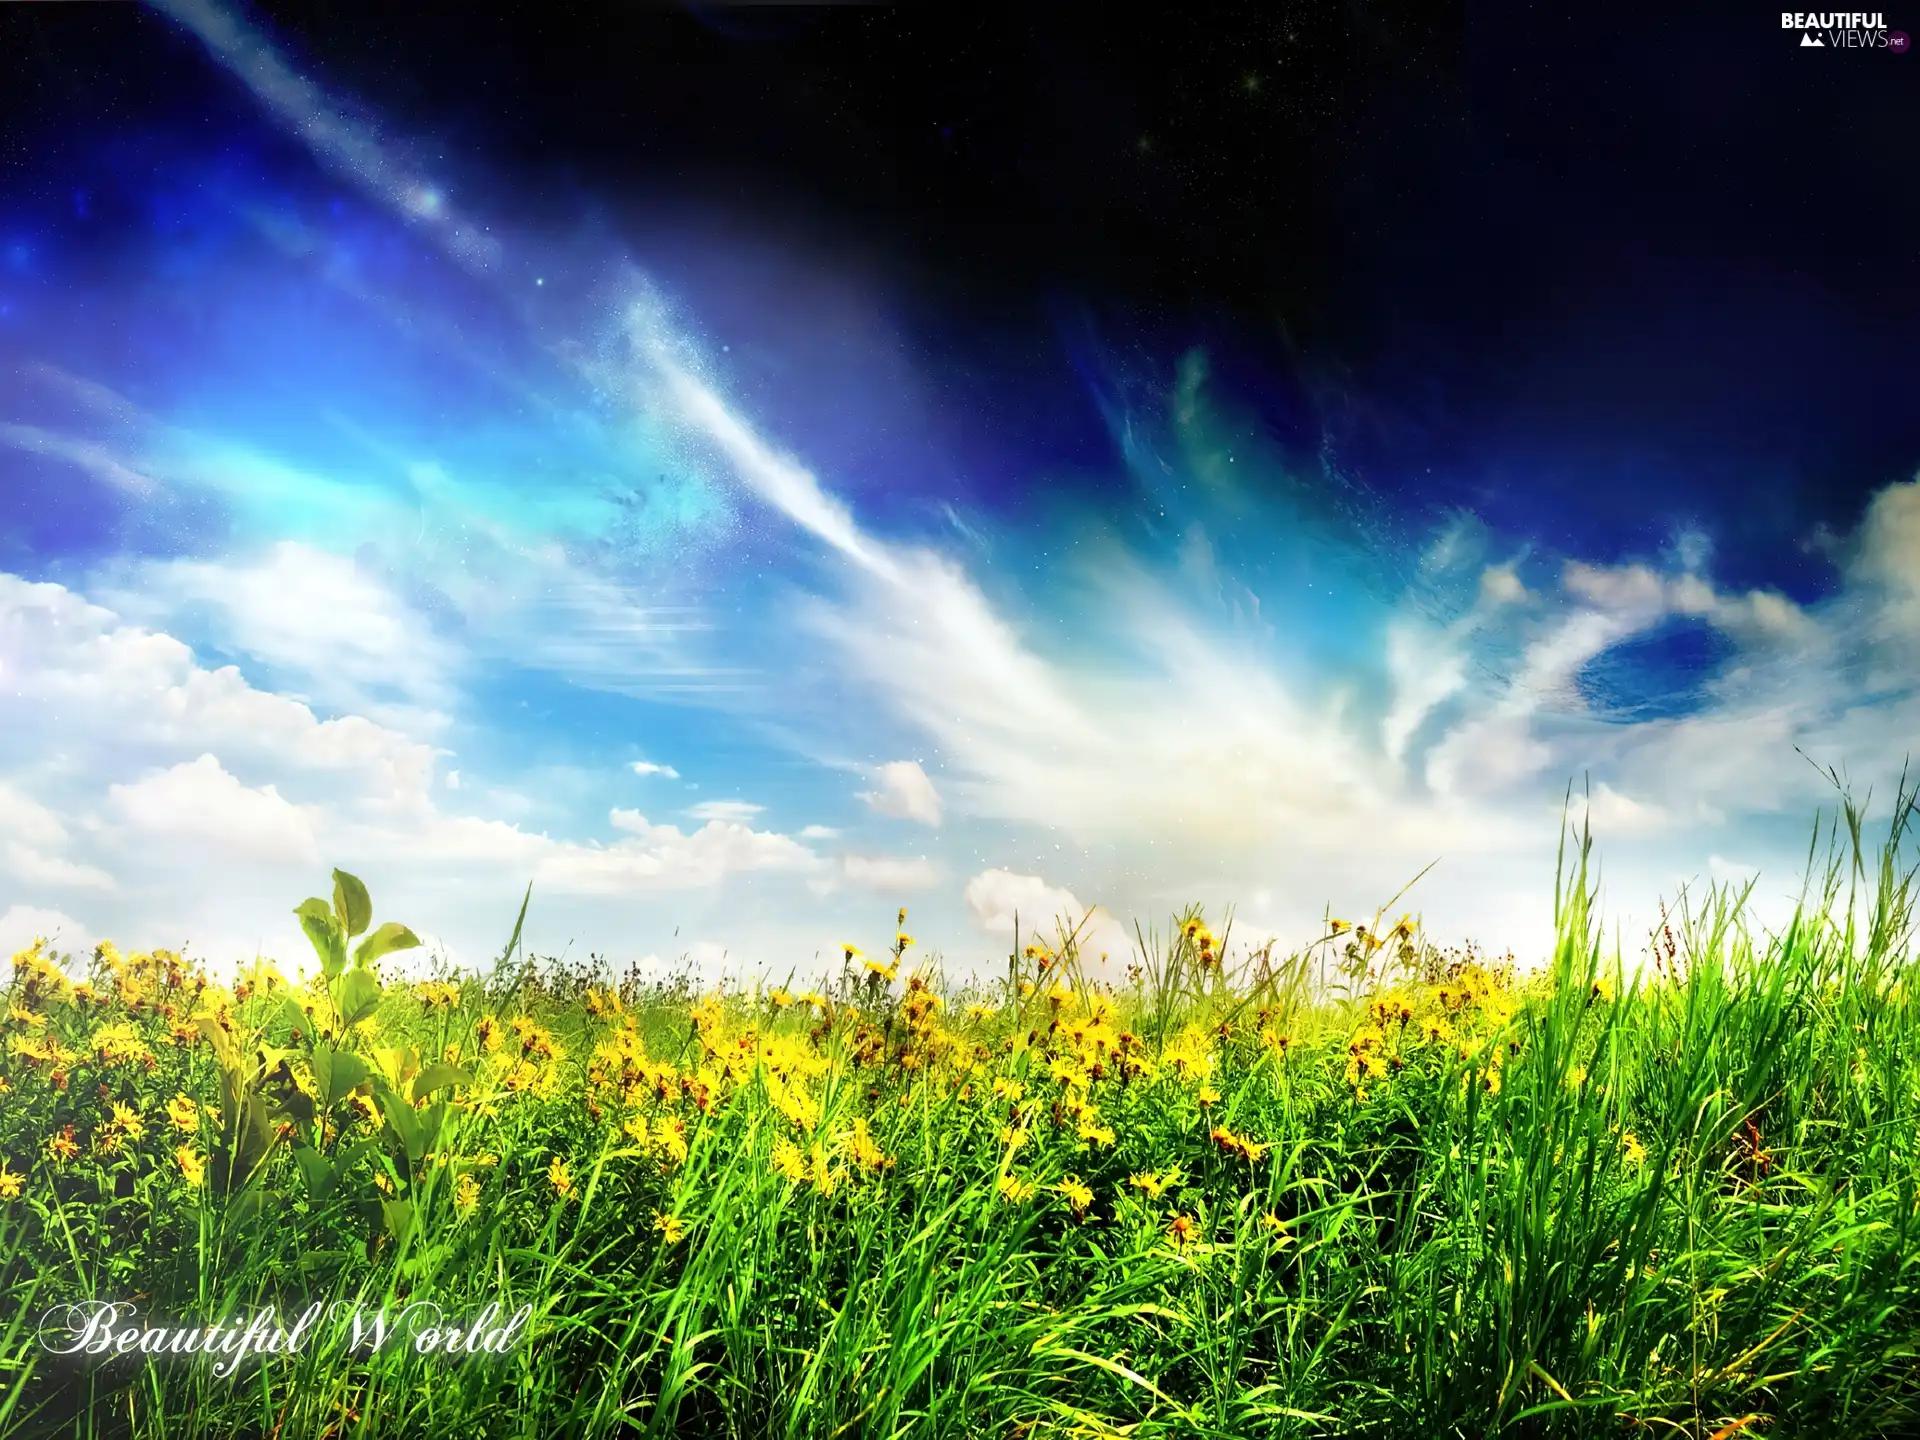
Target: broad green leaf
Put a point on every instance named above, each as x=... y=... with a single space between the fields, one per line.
x=323 y=1071
x=317 y=1171
x=399 y=1217
x=437 y=1076
x=388 y=938
x=350 y=903
x=349 y=1071
x=359 y=996
x=297 y=1018
x=324 y=934
x=405 y=1124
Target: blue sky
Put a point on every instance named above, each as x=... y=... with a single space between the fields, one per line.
x=350 y=521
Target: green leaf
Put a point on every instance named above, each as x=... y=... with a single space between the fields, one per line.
x=405 y=1124
x=388 y=938
x=314 y=1167
x=350 y=903
x=337 y=1073
x=348 y=1073
x=437 y=1076
x=399 y=1217
x=297 y=1018
x=359 y=996
x=324 y=934
x=514 y=943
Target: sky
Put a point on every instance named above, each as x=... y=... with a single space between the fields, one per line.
x=743 y=471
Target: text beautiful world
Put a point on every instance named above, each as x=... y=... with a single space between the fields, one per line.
x=106 y=1329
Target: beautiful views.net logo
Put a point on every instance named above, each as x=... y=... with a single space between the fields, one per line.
x=1844 y=31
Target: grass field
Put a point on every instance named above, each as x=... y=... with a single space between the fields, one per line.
x=1376 y=1188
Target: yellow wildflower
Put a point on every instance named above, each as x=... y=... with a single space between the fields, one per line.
x=1076 y=1193
x=63 y=1146
x=466 y=1192
x=192 y=1164
x=10 y=1183
x=1155 y=1185
x=670 y=1228
x=558 y=1177
x=1014 y=1190
x=184 y=1114
x=1632 y=1149
x=129 y=1121
x=788 y=1160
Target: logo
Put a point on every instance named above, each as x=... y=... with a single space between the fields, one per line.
x=1844 y=30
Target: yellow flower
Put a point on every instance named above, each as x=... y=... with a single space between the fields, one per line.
x=1094 y=1133
x=62 y=1146
x=558 y=1177
x=384 y=1181
x=129 y=1121
x=466 y=1192
x=788 y=1160
x=670 y=1138
x=191 y=1164
x=854 y=952
x=1338 y=927
x=1209 y=1095
x=1181 y=1230
x=1276 y=1228
x=1632 y=1149
x=20 y=1015
x=488 y=1031
x=184 y=1114
x=1576 y=1077
x=866 y=1152
x=1076 y=1193
x=1014 y=1190
x=1155 y=1185
x=670 y=1228
x=10 y=1183
x=885 y=972
x=119 y=1043
x=903 y=940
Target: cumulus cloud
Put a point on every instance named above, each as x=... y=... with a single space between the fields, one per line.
x=21 y=925
x=200 y=801
x=1001 y=899
x=158 y=779
x=905 y=792
x=737 y=811
x=648 y=767
x=334 y=626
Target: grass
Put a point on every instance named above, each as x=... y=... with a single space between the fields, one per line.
x=1375 y=1188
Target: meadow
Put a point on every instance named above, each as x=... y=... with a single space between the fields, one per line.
x=1378 y=1187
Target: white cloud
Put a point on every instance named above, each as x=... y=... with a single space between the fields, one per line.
x=21 y=925
x=883 y=872
x=453 y=780
x=1611 y=813
x=660 y=857
x=336 y=626
x=736 y=811
x=199 y=801
x=819 y=832
x=905 y=792
x=35 y=868
x=1500 y=585
x=998 y=899
x=647 y=767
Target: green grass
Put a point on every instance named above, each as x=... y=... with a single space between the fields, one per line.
x=1415 y=1195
